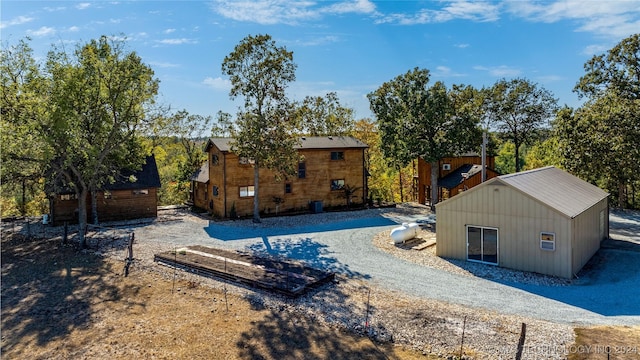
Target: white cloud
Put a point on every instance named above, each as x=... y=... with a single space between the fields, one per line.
x=355 y=6
x=177 y=41
x=323 y=40
x=444 y=71
x=217 y=83
x=73 y=29
x=43 y=31
x=16 y=21
x=163 y=64
x=611 y=18
x=271 y=12
x=462 y=46
x=82 y=6
x=169 y=31
x=480 y=11
x=500 y=71
x=595 y=49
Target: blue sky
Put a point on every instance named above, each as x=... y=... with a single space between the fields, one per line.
x=350 y=47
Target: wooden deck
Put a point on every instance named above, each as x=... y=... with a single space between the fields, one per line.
x=284 y=277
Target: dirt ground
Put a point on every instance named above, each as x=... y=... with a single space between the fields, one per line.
x=62 y=303
x=59 y=302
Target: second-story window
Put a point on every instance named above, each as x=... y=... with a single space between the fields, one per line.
x=337 y=155
x=302 y=170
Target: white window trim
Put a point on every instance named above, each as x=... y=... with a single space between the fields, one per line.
x=466 y=236
x=446 y=166
x=544 y=243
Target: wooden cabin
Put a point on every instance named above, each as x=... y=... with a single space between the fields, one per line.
x=455 y=174
x=122 y=200
x=327 y=165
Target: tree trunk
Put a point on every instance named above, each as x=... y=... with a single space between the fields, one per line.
x=517 y=151
x=94 y=207
x=82 y=216
x=23 y=206
x=400 y=181
x=256 y=202
x=435 y=170
x=622 y=195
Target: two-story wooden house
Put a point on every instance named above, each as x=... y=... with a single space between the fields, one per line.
x=225 y=183
x=455 y=174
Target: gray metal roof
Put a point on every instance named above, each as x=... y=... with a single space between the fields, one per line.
x=556 y=188
x=306 y=142
x=202 y=175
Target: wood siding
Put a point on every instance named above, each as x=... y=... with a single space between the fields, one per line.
x=424 y=172
x=519 y=220
x=229 y=175
x=123 y=205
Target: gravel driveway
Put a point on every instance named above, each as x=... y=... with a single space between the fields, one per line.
x=608 y=294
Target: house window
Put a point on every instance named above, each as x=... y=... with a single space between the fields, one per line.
x=68 y=197
x=302 y=170
x=547 y=241
x=245 y=160
x=215 y=190
x=246 y=191
x=141 y=192
x=337 y=155
x=337 y=184
x=287 y=188
x=108 y=195
x=214 y=159
x=446 y=166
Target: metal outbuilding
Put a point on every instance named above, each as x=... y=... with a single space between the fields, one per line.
x=543 y=220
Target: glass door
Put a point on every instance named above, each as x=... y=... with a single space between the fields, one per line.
x=482 y=244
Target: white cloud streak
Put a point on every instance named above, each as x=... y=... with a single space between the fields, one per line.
x=500 y=71
x=217 y=83
x=43 y=31
x=180 y=41
x=16 y=21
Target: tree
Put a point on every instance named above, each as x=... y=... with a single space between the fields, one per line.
x=324 y=116
x=97 y=105
x=190 y=130
x=610 y=119
x=420 y=121
x=22 y=106
x=520 y=108
x=260 y=71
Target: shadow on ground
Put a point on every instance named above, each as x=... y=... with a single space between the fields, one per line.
x=48 y=290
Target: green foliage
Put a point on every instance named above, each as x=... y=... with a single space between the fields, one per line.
x=264 y=130
x=541 y=154
x=599 y=141
x=318 y=116
x=420 y=121
x=520 y=109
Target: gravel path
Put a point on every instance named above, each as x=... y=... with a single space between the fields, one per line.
x=342 y=242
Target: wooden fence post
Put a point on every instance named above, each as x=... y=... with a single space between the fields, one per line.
x=129 y=259
x=523 y=334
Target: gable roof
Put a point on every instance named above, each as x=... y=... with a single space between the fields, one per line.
x=202 y=175
x=455 y=177
x=556 y=188
x=147 y=177
x=305 y=142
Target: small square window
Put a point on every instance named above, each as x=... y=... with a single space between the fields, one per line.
x=302 y=170
x=215 y=190
x=337 y=155
x=337 y=184
x=141 y=192
x=547 y=241
x=446 y=166
x=246 y=160
x=287 y=188
x=214 y=159
x=108 y=195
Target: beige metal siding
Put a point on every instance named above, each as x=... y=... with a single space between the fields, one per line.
x=586 y=234
x=519 y=220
